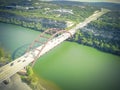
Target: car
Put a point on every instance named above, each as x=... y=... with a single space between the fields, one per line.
x=11 y=64
x=23 y=60
x=18 y=60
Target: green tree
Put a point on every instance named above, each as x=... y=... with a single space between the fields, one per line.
x=4 y=57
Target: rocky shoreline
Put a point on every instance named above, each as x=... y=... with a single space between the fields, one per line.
x=15 y=84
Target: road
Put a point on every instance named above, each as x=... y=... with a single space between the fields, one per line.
x=13 y=67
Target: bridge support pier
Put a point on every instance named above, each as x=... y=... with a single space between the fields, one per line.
x=7 y=81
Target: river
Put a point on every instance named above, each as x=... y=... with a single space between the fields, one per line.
x=71 y=66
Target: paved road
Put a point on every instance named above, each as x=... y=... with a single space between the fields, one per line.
x=13 y=67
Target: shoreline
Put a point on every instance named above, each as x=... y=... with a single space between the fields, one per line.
x=15 y=84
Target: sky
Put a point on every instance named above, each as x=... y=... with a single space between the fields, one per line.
x=115 y=1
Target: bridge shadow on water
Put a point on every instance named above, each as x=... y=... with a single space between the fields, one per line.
x=20 y=51
x=23 y=49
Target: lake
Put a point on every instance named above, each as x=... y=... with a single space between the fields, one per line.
x=71 y=66
x=16 y=39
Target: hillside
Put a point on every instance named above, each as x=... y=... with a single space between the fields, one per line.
x=103 y=34
x=40 y=15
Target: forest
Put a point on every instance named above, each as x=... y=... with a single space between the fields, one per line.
x=103 y=33
x=42 y=15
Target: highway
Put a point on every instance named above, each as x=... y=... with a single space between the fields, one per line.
x=13 y=67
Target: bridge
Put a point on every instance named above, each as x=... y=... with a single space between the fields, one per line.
x=32 y=54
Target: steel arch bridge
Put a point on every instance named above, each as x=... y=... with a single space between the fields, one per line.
x=43 y=40
x=42 y=44
x=52 y=37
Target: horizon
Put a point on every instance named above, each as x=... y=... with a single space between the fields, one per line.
x=101 y=1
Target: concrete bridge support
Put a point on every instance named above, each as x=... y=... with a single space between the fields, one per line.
x=7 y=81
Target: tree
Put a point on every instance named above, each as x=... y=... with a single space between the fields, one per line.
x=4 y=57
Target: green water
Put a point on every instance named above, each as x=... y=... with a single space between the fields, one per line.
x=71 y=66
x=76 y=67
x=16 y=39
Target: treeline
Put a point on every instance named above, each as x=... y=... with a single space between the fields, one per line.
x=33 y=23
x=79 y=13
x=4 y=57
x=103 y=34
x=37 y=83
x=43 y=15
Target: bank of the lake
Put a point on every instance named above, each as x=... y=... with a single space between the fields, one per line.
x=70 y=65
